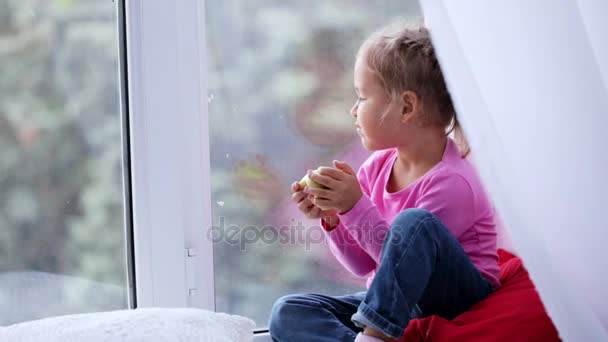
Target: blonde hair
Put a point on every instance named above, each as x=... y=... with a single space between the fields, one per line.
x=404 y=59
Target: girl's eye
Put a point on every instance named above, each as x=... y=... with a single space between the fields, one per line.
x=359 y=99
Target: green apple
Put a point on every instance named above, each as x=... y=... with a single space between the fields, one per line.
x=307 y=181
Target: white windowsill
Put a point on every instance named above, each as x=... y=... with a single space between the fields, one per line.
x=263 y=337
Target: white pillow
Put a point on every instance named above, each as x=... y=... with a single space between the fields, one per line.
x=149 y=324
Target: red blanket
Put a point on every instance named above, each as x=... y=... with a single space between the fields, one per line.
x=513 y=313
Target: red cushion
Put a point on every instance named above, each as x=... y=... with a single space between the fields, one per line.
x=514 y=312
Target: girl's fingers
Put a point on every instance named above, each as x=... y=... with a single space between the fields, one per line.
x=325 y=193
x=295 y=186
x=305 y=205
x=298 y=196
x=322 y=202
x=344 y=167
x=323 y=180
x=331 y=172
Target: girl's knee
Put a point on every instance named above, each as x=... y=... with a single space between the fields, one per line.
x=412 y=216
x=282 y=313
x=278 y=310
x=409 y=219
x=415 y=222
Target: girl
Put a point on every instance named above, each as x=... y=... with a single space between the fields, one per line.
x=414 y=219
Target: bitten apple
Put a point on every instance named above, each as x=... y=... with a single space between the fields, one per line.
x=307 y=181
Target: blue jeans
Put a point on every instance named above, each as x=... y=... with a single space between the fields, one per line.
x=423 y=271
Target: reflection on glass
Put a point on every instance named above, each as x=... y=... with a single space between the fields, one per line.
x=280 y=91
x=61 y=209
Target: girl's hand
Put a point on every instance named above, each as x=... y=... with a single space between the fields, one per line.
x=305 y=204
x=344 y=188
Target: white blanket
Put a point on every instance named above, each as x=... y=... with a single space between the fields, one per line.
x=151 y=324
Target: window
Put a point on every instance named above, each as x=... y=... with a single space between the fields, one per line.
x=62 y=221
x=276 y=78
x=279 y=93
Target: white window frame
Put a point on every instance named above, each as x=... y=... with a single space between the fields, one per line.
x=170 y=160
x=166 y=66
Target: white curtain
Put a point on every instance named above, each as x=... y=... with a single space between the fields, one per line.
x=529 y=82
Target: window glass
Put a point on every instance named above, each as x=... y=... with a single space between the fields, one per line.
x=62 y=236
x=279 y=92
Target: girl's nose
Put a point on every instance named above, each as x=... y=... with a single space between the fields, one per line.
x=353 y=111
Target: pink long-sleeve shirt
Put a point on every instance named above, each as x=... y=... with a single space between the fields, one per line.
x=451 y=190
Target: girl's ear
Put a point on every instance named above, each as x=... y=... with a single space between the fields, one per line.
x=410 y=105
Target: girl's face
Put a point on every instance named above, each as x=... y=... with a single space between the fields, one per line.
x=376 y=117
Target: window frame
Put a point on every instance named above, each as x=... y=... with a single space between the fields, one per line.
x=168 y=160
x=169 y=153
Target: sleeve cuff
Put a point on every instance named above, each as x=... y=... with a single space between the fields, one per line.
x=326 y=226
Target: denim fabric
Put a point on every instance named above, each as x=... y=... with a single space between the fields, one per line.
x=315 y=317
x=423 y=271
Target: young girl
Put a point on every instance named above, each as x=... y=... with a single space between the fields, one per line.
x=414 y=219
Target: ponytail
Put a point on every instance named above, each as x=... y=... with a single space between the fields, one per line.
x=460 y=138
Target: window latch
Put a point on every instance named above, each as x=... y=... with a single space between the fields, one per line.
x=191 y=269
